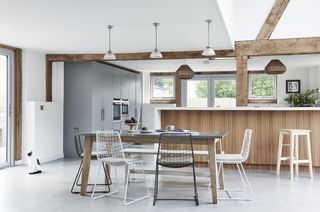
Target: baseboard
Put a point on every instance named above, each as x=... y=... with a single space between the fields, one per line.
x=51 y=158
x=18 y=162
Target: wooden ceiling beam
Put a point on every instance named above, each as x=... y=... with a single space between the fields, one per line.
x=291 y=46
x=136 y=56
x=272 y=19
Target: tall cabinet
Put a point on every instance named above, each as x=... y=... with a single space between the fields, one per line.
x=89 y=90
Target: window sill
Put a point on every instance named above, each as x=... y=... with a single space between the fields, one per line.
x=162 y=101
x=262 y=101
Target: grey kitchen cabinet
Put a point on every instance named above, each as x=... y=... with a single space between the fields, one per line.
x=89 y=90
x=125 y=83
x=102 y=96
x=116 y=80
x=131 y=93
x=138 y=95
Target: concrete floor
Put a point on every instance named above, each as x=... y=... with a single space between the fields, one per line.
x=50 y=191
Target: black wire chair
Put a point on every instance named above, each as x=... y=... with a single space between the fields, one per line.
x=175 y=151
x=79 y=151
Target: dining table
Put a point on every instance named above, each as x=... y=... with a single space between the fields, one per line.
x=205 y=138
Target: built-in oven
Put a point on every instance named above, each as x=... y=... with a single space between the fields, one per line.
x=125 y=107
x=116 y=109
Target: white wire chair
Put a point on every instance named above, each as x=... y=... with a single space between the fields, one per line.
x=238 y=159
x=110 y=152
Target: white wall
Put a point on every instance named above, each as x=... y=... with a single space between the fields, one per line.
x=33 y=92
x=314 y=77
x=33 y=75
x=146 y=88
x=57 y=81
x=292 y=74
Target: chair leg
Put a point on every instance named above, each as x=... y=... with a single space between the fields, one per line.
x=144 y=178
x=195 y=186
x=127 y=184
x=242 y=177
x=127 y=170
x=296 y=146
x=155 y=192
x=247 y=180
x=95 y=185
x=309 y=155
x=77 y=178
x=279 y=152
x=291 y=155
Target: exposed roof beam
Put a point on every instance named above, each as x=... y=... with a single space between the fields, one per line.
x=291 y=46
x=136 y=56
x=272 y=19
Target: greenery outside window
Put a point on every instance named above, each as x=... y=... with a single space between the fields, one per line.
x=262 y=86
x=209 y=91
x=162 y=87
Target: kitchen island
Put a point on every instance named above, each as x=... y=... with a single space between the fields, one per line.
x=264 y=121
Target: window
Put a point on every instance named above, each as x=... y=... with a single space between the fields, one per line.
x=209 y=91
x=162 y=87
x=197 y=95
x=262 y=86
x=224 y=92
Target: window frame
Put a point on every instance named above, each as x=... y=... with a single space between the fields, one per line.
x=251 y=76
x=211 y=88
x=152 y=78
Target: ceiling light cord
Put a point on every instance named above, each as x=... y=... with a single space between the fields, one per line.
x=208 y=33
x=156 y=24
x=156 y=37
x=109 y=28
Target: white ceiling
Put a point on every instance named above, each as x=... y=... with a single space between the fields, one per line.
x=79 y=26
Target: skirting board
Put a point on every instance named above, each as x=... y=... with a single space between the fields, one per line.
x=18 y=162
x=51 y=158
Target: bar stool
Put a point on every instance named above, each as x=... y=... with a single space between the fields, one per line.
x=294 y=150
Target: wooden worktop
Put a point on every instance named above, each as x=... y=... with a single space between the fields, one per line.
x=265 y=123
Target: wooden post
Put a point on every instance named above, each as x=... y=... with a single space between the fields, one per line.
x=178 y=92
x=242 y=80
x=48 y=81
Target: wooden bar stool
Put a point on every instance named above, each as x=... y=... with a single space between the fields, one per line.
x=294 y=149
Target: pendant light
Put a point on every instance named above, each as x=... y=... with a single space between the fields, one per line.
x=156 y=54
x=208 y=51
x=184 y=72
x=109 y=55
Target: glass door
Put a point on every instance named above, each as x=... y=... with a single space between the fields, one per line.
x=5 y=103
x=197 y=93
x=224 y=91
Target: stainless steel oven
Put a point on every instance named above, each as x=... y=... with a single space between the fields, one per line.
x=116 y=109
x=125 y=107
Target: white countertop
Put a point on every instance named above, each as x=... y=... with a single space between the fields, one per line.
x=242 y=108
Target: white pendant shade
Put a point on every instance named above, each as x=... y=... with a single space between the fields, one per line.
x=109 y=56
x=208 y=51
x=155 y=54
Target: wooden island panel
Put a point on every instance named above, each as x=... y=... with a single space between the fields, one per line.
x=265 y=126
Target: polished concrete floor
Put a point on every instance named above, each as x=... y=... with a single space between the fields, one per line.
x=50 y=191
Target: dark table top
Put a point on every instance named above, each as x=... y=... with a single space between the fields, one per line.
x=195 y=135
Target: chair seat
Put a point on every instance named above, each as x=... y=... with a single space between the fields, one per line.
x=120 y=161
x=175 y=162
x=229 y=158
x=93 y=155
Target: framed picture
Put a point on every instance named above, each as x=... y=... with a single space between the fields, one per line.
x=292 y=86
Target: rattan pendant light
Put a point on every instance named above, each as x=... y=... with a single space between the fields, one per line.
x=184 y=72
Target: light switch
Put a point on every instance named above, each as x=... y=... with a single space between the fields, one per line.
x=41 y=107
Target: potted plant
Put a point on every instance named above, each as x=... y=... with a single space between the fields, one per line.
x=305 y=99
